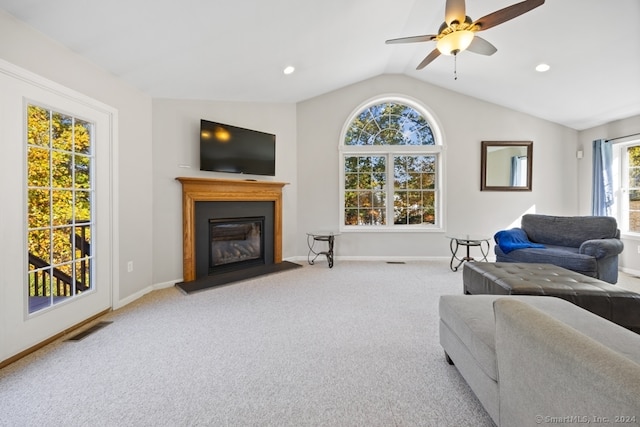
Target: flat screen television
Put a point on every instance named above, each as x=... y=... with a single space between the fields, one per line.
x=226 y=148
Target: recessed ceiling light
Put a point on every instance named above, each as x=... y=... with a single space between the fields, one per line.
x=289 y=70
x=541 y=68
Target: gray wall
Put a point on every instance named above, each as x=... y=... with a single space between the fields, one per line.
x=176 y=145
x=465 y=123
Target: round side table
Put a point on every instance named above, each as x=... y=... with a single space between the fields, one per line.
x=468 y=242
x=321 y=236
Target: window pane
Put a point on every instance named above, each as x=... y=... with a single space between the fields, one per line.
x=634 y=177
x=62 y=132
x=634 y=221
x=82 y=208
x=351 y=199
x=351 y=216
x=59 y=195
x=429 y=181
x=83 y=276
x=38 y=205
x=62 y=251
x=61 y=169
x=63 y=202
x=414 y=175
x=634 y=210
x=38 y=129
x=429 y=207
x=350 y=164
x=390 y=124
x=37 y=167
x=82 y=133
x=364 y=199
x=40 y=247
x=364 y=181
x=82 y=241
x=82 y=166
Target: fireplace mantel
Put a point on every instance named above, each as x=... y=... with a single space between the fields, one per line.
x=220 y=190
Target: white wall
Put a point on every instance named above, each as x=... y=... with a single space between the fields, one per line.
x=29 y=49
x=630 y=258
x=465 y=123
x=176 y=142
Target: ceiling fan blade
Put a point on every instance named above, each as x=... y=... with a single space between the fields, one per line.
x=509 y=12
x=433 y=55
x=413 y=39
x=455 y=10
x=481 y=46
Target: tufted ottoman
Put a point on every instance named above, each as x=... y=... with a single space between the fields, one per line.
x=505 y=278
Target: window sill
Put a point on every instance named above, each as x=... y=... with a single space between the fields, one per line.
x=395 y=229
x=630 y=236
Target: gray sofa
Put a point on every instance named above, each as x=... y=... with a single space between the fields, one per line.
x=589 y=245
x=535 y=360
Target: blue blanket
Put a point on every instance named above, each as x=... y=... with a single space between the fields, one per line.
x=516 y=238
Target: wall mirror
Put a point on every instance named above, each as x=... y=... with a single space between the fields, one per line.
x=506 y=165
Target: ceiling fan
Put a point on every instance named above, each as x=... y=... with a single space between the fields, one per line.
x=457 y=32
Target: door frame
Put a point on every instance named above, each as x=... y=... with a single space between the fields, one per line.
x=24 y=332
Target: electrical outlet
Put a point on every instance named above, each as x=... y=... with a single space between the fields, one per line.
x=129 y=266
x=639 y=249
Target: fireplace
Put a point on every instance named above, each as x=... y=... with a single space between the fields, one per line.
x=235 y=243
x=228 y=222
x=204 y=199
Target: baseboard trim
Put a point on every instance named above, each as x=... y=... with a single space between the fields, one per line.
x=630 y=271
x=303 y=259
x=131 y=298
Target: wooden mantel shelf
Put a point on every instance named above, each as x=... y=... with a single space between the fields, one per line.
x=230 y=190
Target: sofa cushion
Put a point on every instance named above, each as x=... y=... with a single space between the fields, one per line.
x=568 y=230
x=471 y=319
x=474 y=325
x=568 y=362
x=562 y=256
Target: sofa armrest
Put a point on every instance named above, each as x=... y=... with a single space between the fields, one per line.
x=601 y=248
x=546 y=368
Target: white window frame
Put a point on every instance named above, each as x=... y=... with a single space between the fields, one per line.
x=438 y=150
x=620 y=208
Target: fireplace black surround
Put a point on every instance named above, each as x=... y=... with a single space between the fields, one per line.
x=239 y=213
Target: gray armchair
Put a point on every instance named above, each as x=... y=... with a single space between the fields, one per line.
x=589 y=245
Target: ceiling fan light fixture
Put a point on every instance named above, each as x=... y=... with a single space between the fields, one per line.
x=455 y=42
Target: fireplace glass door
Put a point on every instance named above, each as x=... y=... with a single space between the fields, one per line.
x=235 y=243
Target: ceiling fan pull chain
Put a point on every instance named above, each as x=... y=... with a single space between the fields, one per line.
x=455 y=67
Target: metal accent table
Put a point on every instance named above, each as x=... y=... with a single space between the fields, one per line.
x=321 y=236
x=468 y=242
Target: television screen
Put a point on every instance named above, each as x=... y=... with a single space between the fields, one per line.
x=226 y=148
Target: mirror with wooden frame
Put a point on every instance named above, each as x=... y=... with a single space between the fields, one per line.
x=506 y=165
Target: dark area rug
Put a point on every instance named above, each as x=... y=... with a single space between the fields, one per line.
x=234 y=276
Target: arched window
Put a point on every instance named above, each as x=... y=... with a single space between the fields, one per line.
x=391 y=154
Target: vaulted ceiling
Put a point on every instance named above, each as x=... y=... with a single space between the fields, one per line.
x=236 y=50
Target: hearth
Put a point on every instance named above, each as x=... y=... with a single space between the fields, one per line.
x=235 y=243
